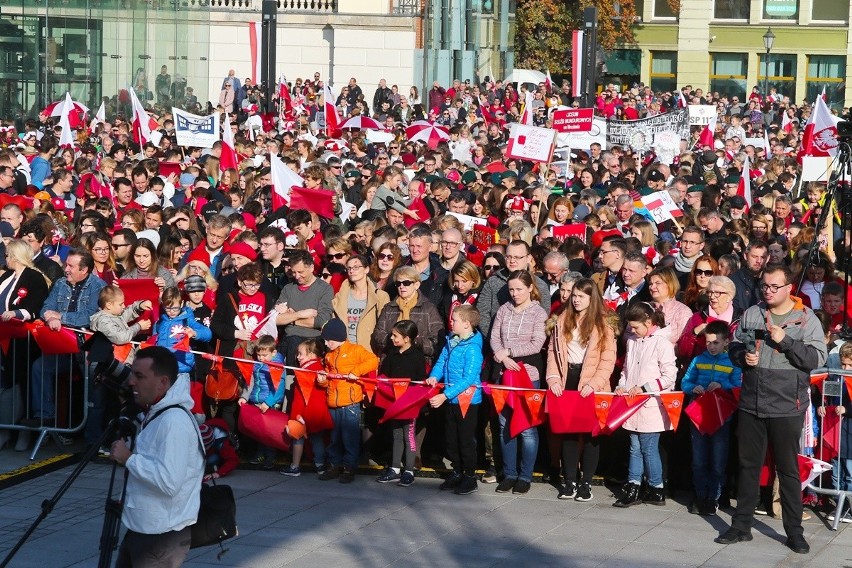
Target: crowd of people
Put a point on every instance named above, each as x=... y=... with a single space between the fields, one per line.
x=730 y=294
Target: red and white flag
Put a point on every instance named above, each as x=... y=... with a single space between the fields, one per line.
x=577 y=63
x=99 y=118
x=681 y=102
x=526 y=112
x=228 y=159
x=144 y=127
x=283 y=179
x=254 y=46
x=548 y=82
x=332 y=120
x=820 y=132
x=285 y=101
x=66 y=139
x=786 y=123
x=744 y=187
x=661 y=206
x=708 y=133
x=767 y=149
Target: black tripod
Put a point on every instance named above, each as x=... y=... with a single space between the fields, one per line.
x=113 y=508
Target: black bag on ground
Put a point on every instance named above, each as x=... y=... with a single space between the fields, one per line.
x=217 y=516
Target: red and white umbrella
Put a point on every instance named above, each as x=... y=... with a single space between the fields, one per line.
x=55 y=109
x=361 y=122
x=426 y=132
x=76 y=112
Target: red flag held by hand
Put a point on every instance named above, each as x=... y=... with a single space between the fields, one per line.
x=498 y=397
x=528 y=411
x=316 y=200
x=570 y=413
x=711 y=410
x=60 y=342
x=620 y=410
x=673 y=403
x=408 y=405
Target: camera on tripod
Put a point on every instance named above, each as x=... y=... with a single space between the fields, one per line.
x=844 y=129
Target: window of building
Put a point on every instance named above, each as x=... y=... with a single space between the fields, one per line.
x=782 y=73
x=728 y=74
x=663 y=71
x=731 y=10
x=829 y=72
x=780 y=9
x=663 y=10
x=829 y=10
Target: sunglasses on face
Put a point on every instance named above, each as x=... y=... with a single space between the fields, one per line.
x=703 y=272
x=490 y=267
x=385 y=256
x=337 y=255
x=404 y=283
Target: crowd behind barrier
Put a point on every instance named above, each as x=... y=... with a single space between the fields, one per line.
x=411 y=293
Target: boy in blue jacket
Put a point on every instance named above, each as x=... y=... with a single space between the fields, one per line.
x=709 y=371
x=175 y=323
x=264 y=391
x=459 y=367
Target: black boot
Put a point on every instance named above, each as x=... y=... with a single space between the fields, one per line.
x=629 y=497
x=655 y=496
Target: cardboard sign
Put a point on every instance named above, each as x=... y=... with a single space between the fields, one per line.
x=530 y=143
x=573 y=120
x=584 y=140
x=484 y=236
x=468 y=221
x=661 y=206
x=562 y=232
x=701 y=115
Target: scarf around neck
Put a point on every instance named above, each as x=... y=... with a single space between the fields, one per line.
x=683 y=264
x=405 y=306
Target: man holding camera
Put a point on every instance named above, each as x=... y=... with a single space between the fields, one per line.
x=164 y=467
x=777 y=344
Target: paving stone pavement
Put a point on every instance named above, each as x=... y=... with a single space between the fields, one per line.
x=303 y=522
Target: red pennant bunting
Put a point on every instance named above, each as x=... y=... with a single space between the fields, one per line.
x=528 y=412
x=570 y=413
x=182 y=345
x=620 y=410
x=13 y=329
x=818 y=378
x=673 y=403
x=305 y=381
x=60 y=342
x=603 y=402
x=246 y=369
x=498 y=397
x=152 y=341
x=465 y=398
x=711 y=410
x=369 y=386
x=408 y=405
x=830 y=434
x=275 y=374
x=399 y=387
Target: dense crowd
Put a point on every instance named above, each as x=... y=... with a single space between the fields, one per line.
x=396 y=283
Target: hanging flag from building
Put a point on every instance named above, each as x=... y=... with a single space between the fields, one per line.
x=194 y=130
x=577 y=63
x=254 y=43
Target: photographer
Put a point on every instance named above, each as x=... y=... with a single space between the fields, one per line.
x=778 y=343
x=165 y=467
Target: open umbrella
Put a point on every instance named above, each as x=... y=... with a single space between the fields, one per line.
x=428 y=133
x=526 y=76
x=55 y=109
x=74 y=111
x=361 y=122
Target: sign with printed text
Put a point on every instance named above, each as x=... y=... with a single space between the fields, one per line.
x=484 y=236
x=530 y=142
x=782 y=8
x=625 y=132
x=468 y=221
x=562 y=232
x=584 y=140
x=661 y=206
x=194 y=130
x=573 y=120
x=701 y=115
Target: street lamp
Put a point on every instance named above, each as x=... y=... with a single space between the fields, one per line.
x=768 y=40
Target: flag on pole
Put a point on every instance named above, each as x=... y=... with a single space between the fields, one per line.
x=820 y=137
x=332 y=121
x=767 y=149
x=283 y=179
x=708 y=133
x=285 y=101
x=744 y=186
x=99 y=118
x=548 y=82
x=526 y=111
x=144 y=127
x=681 y=102
x=786 y=123
x=228 y=159
x=66 y=139
x=577 y=63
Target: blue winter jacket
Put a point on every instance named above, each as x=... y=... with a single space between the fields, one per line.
x=262 y=388
x=706 y=369
x=460 y=366
x=163 y=329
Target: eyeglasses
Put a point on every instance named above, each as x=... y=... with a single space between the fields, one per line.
x=449 y=244
x=716 y=293
x=354 y=268
x=691 y=243
x=87 y=226
x=101 y=250
x=515 y=258
x=337 y=255
x=404 y=283
x=772 y=287
x=250 y=284
x=603 y=252
x=171 y=308
x=384 y=256
x=703 y=272
x=118 y=246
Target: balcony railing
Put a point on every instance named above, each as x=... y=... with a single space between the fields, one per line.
x=407 y=7
x=308 y=6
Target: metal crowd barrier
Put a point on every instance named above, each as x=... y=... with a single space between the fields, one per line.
x=831 y=394
x=65 y=388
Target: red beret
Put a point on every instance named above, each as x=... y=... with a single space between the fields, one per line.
x=243 y=249
x=199 y=255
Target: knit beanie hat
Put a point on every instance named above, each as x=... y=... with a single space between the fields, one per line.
x=334 y=330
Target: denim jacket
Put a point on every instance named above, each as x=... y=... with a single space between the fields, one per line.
x=87 y=305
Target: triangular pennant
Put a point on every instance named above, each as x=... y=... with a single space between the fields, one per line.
x=305 y=381
x=622 y=408
x=673 y=403
x=369 y=386
x=848 y=381
x=408 y=405
x=399 y=387
x=603 y=402
x=528 y=413
x=830 y=434
x=182 y=345
x=464 y=399
x=498 y=397
x=246 y=369
x=275 y=373
x=818 y=378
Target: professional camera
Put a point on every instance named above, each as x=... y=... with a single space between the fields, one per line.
x=749 y=340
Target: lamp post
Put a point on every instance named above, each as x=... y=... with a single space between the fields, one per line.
x=768 y=40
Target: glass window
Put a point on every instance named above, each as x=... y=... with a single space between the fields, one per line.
x=782 y=73
x=731 y=10
x=829 y=10
x=780 y=9
x=728 y=74
x=663 y=71
x=663 y=10
x=826 y=72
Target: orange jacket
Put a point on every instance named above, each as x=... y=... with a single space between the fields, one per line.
x=348 y=358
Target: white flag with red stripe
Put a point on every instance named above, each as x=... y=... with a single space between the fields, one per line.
x=786 y=123
x=526 y=112
x=66 y=138
x=332 y=120
x=744 y=187
x=548 y=82
x=254 y=48
x=811 y=468
x=283 y=178
x=228 y=158
x=144 y=127
x=767 y=149
x=708 y=133
x=99 y=118
x=820 y=137
x=661 y=206
x=285 y=101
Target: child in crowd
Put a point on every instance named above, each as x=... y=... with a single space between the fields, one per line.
x=649 y=367
x=196 y=290
x=710 y=371
x=220 y=455
x=113 y=317
x=344 y=396
x=309 y=403
x=177 y=322
x=264 y=391
x=403 y=360
x=831 y=302
x=841 y=465
x=459 y=366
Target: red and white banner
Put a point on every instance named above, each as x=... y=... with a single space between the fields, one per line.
x=573 y=120
x=577 y=63
x=530 y=143
x=283 y=180
x=254 y=46
x=332 y=120
x=661 y=206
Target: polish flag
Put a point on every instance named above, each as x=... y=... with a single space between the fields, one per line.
x=706 y=138
x=767 y=150
x=99 y=118
x=283 y=179
x=681 y=103
x=285 y=102
x=144 y=127
x=744 y=187
x=66 y=139
x=332 y=120
x=228 y=159
x=820 y=132
x=548 y=82
x=254 y=43
x=786 y=123
x=526 y=112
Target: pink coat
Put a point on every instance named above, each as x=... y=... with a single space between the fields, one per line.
x=649 y=363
